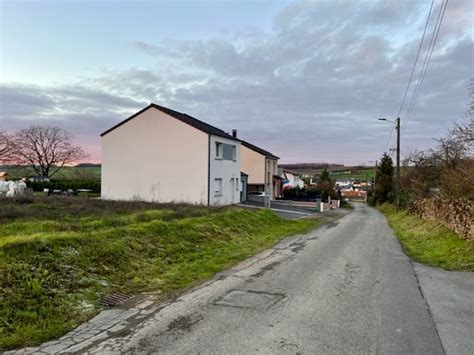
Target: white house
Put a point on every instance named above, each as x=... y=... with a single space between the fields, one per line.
x=162 y=155
x=291 y=180
x=343 y=184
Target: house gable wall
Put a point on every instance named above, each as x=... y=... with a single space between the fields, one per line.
x=253 y=164
x=155 y=157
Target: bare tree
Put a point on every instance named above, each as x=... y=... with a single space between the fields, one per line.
x=45 y=149
x=465 y=132
x=3 y=145
x=449 y=166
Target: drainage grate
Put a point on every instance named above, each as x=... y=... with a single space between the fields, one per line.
x=114 y=299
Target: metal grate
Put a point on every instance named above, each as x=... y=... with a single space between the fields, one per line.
x=114 y=299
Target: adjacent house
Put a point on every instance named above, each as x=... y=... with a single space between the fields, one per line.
x=162 y=155
x=291 y=179
x=261 y=167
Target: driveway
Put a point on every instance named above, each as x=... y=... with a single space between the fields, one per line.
x=344 y=288
x=286 y=209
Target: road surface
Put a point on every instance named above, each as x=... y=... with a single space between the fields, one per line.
x=344 y=288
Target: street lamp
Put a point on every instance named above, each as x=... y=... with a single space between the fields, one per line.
x=397 y=181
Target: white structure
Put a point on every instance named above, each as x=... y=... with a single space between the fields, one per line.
x=291 y=180
x=162 y=155
x=343 y=183
x=12 y=188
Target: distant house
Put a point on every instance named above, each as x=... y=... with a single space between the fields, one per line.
x=163 y=155
x=290 y=179
x=261 y=166
x=4 y=176
x=361 y=185
x=354 y=195
x=343 y=184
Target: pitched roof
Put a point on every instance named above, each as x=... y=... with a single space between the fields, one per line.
x=202 y=126
x=259 y=150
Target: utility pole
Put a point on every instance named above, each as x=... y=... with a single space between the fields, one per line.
x=375 y=177
x=267 y=186
x=366 y=187
x=397 y=182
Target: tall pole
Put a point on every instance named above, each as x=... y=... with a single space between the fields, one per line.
x=366 y=187
x=267 y=186
x=397 y=183
x=375 y=176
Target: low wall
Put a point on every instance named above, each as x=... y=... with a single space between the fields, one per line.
x=457 y=215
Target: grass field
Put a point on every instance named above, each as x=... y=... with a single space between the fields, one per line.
x=430 y=243
x=59 y=256
x=359 y=174
x=67 y=172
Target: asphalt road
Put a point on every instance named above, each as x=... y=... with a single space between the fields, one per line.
x=285 y=209
x=344 y=288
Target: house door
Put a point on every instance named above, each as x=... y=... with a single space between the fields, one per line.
x=232 y=192
x=243 y=190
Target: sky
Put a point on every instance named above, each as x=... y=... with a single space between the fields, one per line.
x=306 y=80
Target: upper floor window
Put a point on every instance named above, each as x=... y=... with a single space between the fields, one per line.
x=229 y=152
x=219 y=150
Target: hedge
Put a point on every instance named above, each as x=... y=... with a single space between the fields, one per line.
x=65 y=185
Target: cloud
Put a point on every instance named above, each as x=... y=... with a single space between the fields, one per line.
x=311 y=89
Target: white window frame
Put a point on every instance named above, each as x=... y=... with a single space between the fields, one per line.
x=219 y=150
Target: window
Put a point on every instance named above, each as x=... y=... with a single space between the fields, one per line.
x=217 y=186
x=218 y=150
x=236 y=184
x=229 y=152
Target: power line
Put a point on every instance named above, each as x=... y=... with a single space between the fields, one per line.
x=421 y=77
x=412 y=72
x=388 y=139
x=416 y=59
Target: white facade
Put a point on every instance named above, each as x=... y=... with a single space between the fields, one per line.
x=292 y=180
x=224 y=172
x=155 y=157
